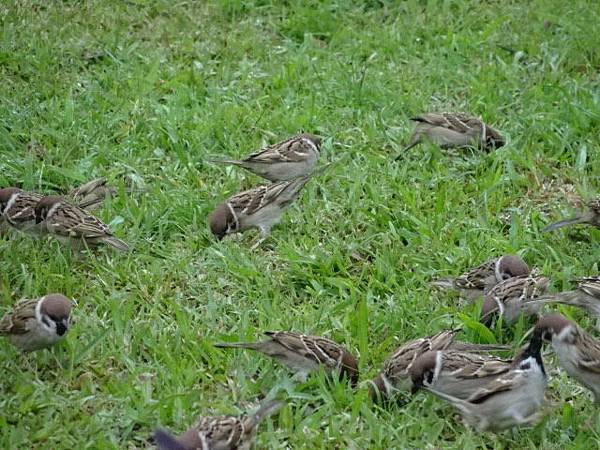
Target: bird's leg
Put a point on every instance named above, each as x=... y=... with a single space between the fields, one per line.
x=264 y=233
x=301 y=376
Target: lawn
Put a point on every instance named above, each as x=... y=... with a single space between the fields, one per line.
x=144 y=92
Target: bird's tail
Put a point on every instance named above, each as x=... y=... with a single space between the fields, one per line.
x=265 y=410
x=165 y=441
x=458 y=403
x=475 y=348
x=250 y=345
x=564 y=298
x=442 y=283
x=292 y=189
x=117 y=243
x=564 y=223
x=236 y=162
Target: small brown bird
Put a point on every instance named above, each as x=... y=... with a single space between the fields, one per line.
x=590 y=217
x=304 y=354
x=260 y=207
x=513 y=297
x=218 y=433
x=90 y=195
x=577 y=351
x=476 y=282
x=456 y=373
x=70 y=223
x=457 y=130
x=394 y=375
x=284 y=161
x=512 y=399
x=34 y=324
x=17 y=208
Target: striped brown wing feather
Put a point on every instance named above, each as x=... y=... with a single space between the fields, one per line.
x=15 y=322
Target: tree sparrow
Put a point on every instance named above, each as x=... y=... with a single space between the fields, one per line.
x=511 y=399
x=90 y=195
x=304 y=354
x=590 y=217
x=38 y=323
x=456 y=373
x=394 y=375
x=450 y=130
x=586 y=296
x=577 y=351
x=17 y=207
x=513 y=297
x=260 y=207
x=70 y=223
x=218 y=433
x=474 y=283
x=284 y=161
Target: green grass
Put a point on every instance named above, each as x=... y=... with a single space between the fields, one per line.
x=151 y=89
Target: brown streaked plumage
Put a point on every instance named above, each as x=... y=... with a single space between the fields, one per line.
x=454 y=130
x=90 y=195
x=218 y=433
x=513 y=297
x=578 y=352
x=394 y=374
x=284 y=161
x=17 y=207
x=260 y=207
x=73 y=224
x=34 y=324
x=304 y=354
x=456 y=373
x=477 y=281
x=513 y=398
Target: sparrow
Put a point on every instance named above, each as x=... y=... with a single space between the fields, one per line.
x=511 y=399
x=70 y=223
x=590 y=217
x=260 y=207
x=577 y=351
x=90 y=195
x=476 y=282
x=218 y=433
x=513 y=297
x=586 y=296
x=17 y=208
x=450 y=130
x=284 y=161
x=34 y=324
x=394 y=374
x=304 y=354
x=456 y=373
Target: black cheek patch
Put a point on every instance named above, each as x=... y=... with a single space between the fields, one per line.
x=429 y=377
x=60 y=328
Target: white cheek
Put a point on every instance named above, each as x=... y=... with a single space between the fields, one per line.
x=49 y=328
